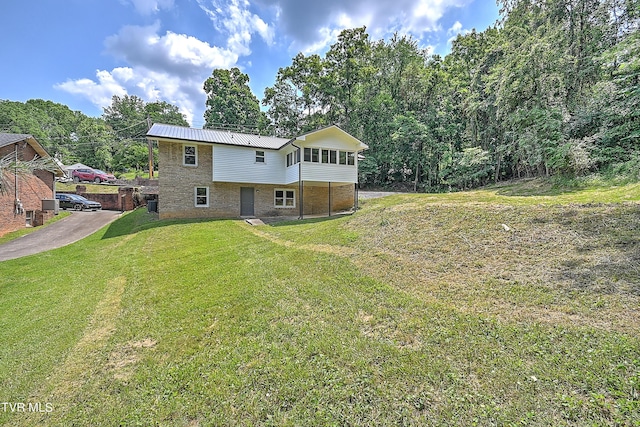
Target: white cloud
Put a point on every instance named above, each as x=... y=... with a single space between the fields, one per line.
x=173 y=53
x=234 y=18
x=170 y=67
x=147 y=84
x=100 y=92
x=455 y=30
x=308 y=24
x=148 y=7
x=326 y=37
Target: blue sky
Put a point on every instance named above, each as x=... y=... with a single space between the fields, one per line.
x=82 y=52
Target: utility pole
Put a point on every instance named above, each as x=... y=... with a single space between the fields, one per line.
x=150 y=149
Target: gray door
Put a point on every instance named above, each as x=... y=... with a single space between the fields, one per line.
x=246 y=201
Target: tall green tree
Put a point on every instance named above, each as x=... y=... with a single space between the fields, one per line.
x=230 y=101
x=94 y=144
x=129 y=118
x=347 y=65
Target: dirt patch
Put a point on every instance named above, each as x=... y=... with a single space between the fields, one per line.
x=122 y=360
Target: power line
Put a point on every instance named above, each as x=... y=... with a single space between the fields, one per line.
x=74 y=136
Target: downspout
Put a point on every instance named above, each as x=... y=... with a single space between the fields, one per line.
x=15 y=171
x=16 y=201
x=300 y=184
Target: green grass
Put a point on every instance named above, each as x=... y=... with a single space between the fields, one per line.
x=417 y=310
x=133 y=174
x=22 y=232
x=91 y=188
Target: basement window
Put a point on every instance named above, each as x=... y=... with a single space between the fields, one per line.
x=285 y=198
x=202 y=197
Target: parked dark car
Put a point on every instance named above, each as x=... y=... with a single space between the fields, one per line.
x=95 y=175
x=79 y=203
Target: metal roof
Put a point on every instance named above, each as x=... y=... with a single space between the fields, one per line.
x=12 y=138
x=216 y=136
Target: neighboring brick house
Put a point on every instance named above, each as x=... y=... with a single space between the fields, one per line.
x=21 y=201
x=218 y=174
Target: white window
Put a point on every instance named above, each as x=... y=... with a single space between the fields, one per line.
x=201 y=197
x=259 y=156
x=351 y=158
x=190 y=155
x=343 y=157
x=284 y=198
x=312 y=155
x=294 y=158
x=332 y=156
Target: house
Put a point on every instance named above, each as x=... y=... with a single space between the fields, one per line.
x=21 y=202
x=220 y=174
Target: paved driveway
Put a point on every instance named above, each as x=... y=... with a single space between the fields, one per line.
x=76 y=226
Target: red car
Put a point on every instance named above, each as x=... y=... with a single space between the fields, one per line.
x=94 y=175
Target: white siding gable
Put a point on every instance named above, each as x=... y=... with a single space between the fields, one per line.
x=331 y=142
x=238 y=164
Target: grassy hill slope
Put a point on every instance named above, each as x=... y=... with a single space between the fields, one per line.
x=489 y=307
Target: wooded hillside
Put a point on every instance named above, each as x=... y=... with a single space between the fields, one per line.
x=554 y=88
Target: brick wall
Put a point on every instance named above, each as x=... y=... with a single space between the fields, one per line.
x=147 y=182
x=177 y=191
x=316 y=199
x=124 y=199
x=31 y=190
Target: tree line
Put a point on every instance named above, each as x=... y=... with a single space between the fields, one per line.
x=553 y=88
x=115 y=142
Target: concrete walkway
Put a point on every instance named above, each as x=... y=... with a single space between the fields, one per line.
x=76 y=226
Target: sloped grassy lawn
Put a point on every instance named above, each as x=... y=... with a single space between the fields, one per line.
x=418 y=310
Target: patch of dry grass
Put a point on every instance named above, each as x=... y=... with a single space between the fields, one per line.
x=559 y=264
